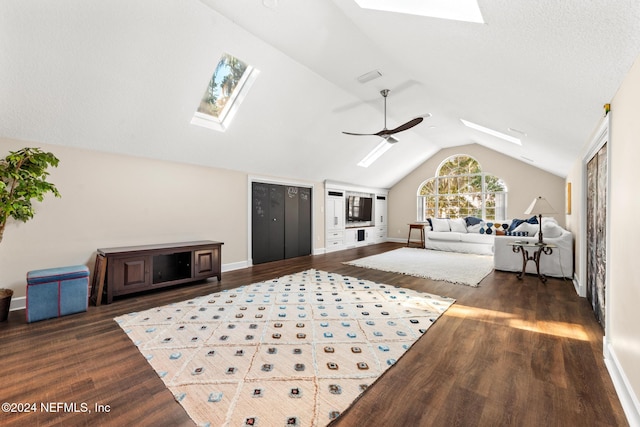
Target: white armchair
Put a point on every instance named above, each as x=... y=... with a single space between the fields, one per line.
x=557 y=264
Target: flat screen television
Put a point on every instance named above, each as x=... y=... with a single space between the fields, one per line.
x=359 y=209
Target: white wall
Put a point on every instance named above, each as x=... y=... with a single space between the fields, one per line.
x=524 y=183
x=574 y=220
x=113 y=200
x=623 y=328
x=622 y=340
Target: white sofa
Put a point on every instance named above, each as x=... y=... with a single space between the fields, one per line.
x=558 y=264
x=458 y=235
x=455 y=235
x=471 y=243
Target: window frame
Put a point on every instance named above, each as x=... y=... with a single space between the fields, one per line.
x=499 y=208
x=228 y=112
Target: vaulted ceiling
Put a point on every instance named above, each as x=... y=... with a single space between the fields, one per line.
x=126 y=76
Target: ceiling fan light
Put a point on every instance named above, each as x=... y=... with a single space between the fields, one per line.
x=376 y=152
x=391 y=139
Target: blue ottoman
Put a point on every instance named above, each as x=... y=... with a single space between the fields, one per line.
x=55 y=292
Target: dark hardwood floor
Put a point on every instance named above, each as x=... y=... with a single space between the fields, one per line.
x=508 y=353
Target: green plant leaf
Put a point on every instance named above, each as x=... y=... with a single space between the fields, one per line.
x=23 y=175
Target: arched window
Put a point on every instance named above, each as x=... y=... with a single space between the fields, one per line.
x=461 y=189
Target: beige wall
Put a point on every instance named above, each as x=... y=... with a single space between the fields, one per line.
x=113 y=200
x=574 y=220
x=622 y=330
x=623 y=327
x=524 y=183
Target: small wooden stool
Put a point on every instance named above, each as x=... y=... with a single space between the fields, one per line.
x=416 y=227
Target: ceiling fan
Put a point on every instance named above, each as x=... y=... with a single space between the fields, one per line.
x=387 y=133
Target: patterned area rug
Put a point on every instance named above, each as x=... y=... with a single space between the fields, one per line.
x=454 y=267
x=296 y=350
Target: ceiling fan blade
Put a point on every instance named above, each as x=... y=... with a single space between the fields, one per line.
x=363 y=134
x=385 y=133
x=408 y=125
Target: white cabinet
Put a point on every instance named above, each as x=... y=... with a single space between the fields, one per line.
x=340 y=234
x=334 y=221
x=335 y=213
x=350 y=237
x=381 y=210
x=359 y=236
x=380 y=233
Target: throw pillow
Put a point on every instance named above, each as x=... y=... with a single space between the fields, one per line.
x=440 y=224
x=458 y=225
x=517 y=233
x=475 y=228
x=515 y=223
x=472 y=220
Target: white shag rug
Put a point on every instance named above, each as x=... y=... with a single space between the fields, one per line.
x=465 y=269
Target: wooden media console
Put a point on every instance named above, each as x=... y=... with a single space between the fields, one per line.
x=126 y=270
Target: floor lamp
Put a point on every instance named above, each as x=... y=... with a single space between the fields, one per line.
x=538 y=207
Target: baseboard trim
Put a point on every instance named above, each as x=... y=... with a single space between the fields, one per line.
x=235 y=266
x=580 y=289
x=398 y=240
x=628 y=399
x=20 y=303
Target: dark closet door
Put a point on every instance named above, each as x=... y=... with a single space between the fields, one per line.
x=280 y=223
x=304 y=221
x=260 y=200
x=276 y=222
x=267 y=222
x=291 y=229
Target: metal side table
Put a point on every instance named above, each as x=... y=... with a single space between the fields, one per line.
x=531 y=251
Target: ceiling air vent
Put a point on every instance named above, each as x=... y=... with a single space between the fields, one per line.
x=371 y=75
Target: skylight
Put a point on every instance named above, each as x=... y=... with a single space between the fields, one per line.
x=459 y=10
x=226 y=90
x=492 y=132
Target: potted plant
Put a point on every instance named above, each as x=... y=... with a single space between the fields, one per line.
x=5 y=303
x=23 y=178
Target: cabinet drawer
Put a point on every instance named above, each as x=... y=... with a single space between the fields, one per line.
x=335 y=235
